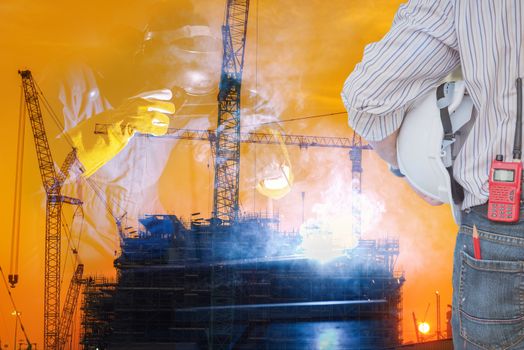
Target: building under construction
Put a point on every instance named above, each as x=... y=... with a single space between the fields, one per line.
x=200 y=286
x=235 y=281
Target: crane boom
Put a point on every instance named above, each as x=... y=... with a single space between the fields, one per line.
x=227 y=160
x=52 y=186
x=66 y=166
x=69 y=307
x=43 y=152
x=303 y=141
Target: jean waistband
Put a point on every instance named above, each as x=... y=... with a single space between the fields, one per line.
x=477 y=215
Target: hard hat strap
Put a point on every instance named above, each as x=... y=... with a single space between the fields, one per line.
x=443 y=97
x=456 y=189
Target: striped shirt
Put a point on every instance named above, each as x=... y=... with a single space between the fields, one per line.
x=428 y=39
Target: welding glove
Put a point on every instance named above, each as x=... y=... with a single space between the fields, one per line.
x=277 y=186
x=277 y=176
x=146 y=113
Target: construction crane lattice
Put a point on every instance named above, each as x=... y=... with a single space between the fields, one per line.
x=227 y=159
x=227 y=165
x=53 y=214
x=355 y=155
x=52 y=183
x=69 y=307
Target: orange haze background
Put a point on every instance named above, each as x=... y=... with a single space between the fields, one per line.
x=300 y=52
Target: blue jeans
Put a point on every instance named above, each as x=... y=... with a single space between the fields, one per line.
x=488 y=294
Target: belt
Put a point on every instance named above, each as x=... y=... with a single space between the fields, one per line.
x=481 y=209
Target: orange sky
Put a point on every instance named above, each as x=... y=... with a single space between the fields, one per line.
x=305 y=50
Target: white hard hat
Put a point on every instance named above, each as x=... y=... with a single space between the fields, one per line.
x=430 y=137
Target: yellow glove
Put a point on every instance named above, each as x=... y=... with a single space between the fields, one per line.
x=278 y=186
x=278 y=177
x=145 y=113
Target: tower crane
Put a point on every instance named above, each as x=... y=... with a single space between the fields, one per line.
x=52 y=182
x=355 y=155
x=353 y=144
x=228 y=136
x=227 y=161
x=227 y=158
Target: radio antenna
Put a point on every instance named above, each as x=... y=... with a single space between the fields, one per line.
x=517 y=146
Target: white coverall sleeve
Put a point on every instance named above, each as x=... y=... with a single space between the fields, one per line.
x=414 y=56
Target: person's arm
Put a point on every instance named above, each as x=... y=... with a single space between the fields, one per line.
x=412 y=58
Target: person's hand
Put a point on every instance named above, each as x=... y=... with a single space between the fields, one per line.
x=146 y=113
x=387 y=148
x=139 y=115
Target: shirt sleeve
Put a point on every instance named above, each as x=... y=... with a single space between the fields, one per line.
x=414 y=56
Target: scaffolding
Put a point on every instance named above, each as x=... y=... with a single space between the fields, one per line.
x=164 y=287
x=97 y=312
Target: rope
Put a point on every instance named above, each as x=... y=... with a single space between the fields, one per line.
x=82 y=226
x=15 y=235
x=14 y=305
x=72 y=248
x=299 y=118
x=99 y=193
x=54 y=116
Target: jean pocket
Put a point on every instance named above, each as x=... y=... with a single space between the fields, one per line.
x=491 y=302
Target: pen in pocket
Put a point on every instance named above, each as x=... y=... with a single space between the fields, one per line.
x=476 y=243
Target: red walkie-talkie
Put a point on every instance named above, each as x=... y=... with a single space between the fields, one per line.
x=504 y=190
x=505 y=178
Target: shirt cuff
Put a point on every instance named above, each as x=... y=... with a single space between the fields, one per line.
x=373 y=127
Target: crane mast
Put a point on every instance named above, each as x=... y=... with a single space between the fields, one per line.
x=227 y=159
x=355 y=155
x=52 y=183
